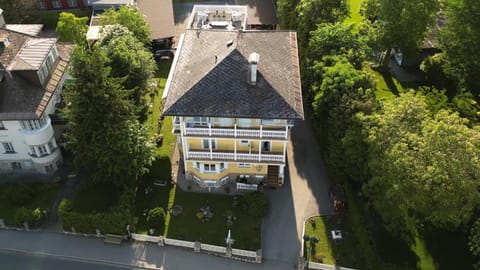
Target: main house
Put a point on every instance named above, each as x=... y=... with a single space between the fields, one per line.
x=32 y=72
x=234 y=96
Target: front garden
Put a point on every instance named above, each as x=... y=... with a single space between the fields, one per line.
x=26 y=202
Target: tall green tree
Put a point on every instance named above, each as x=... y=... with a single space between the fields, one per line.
x=460 y=42
x=71 y=28
x=425 y=166
x=129 y=59
x=404 y=24
x=286 y=13
x=18 y=11
x=131 y=18
x=343 y=92
x=104 y=135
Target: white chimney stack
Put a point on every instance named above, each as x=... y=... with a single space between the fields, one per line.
x=253 y=60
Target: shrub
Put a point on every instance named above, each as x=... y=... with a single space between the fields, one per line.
x=156 y=217
x=33 y=217
x=254 y=204
x=21 y=195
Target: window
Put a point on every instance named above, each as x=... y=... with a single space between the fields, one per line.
x=222 y=166
x=206 y=142
x=49 y=168
x=72 y=3
x=244 y=122
x=57 y=4
x=41 y=4
x=196 y=165
x=33 y=124
x=244 y=165
x=266 y=146
x=16 y=165
x=8 y=147
x=209 y=168
x=2 y=126
x=42 y=150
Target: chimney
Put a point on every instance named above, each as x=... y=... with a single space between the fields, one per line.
x=2 y=20
x=253 y=60
x=4 y=42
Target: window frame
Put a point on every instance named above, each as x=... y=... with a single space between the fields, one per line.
x=8 y=147
x=72 y=3
x=56 y=4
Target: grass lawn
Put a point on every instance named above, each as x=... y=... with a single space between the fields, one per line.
x=245 y=231
x=157 y=196
x=95 y=198
x=34 y=195
x=327 y=250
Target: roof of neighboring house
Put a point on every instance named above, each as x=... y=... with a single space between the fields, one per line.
x=20 y=98
x=260 y=12
x=32 y=54
x=159 y=15
x=211 y=78
x=29 y=29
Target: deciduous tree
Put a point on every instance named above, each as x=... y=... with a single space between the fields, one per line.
x=71 y=28
x=131 y=18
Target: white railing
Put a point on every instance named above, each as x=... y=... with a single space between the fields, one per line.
x=232 y=156
x=179 y=243
x=235 y=132
x=213 y=248
x=146 y=238
x=242 y=186
x=243 y=253
x=322 y=266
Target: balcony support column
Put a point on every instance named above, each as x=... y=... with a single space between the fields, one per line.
x=260 y=150
x=261 y=131
x=284 y=151
x=235 y=149
x=37 y=152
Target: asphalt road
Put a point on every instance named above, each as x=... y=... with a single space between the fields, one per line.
x=24 y=261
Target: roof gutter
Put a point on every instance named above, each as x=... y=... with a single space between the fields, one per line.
x=174 y=65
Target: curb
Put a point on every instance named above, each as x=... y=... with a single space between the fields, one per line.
x=78 y=259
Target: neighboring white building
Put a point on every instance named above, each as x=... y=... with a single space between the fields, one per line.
x=32 y=72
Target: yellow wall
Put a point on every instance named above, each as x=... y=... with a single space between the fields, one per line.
x=228 y=145
x=255 y=169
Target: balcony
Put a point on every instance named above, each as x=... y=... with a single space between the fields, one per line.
x=238 y=156
x=237 y=133
x=38 y=136
x=46 y=158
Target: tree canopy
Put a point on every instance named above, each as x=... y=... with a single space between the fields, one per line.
x=71 y=28
x=424 y=166
x=460 y=42
x=129 y=17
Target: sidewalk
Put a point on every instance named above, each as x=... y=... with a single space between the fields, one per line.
x=147 y=256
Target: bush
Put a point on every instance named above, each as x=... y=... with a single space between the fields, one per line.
x=33 y=217
x=22 y=194
x=156 y=217
x=254 y=204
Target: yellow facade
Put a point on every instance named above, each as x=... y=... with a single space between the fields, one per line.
x=229 y=145
x=231 y=169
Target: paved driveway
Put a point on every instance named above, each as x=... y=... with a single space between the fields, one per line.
x=304 y=194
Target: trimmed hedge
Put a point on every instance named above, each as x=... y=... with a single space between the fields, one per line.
x=88 y=222
x=33 y=217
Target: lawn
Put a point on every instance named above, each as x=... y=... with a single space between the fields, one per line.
x=327 y=250
x=149 y=195
x=187 y=226
x=29 y=195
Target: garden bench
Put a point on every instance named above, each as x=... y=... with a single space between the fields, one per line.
x=113 y=239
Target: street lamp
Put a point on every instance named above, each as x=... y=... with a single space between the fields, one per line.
x=313 y=241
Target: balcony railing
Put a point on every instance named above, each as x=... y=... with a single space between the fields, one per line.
x=236 y=132
x=234 y=156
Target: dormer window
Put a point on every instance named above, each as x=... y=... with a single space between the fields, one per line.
x=47 y=65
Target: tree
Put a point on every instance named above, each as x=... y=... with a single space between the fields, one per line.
x=104 y=135
x=460 y=42
x=474 y=241
x=286 y=13
x=425 y=167
x=404 y=24
x=131 y=18
x=71 y=28
x=336 y=39
x=129 y=59
x=18 y=11
x=342 y=93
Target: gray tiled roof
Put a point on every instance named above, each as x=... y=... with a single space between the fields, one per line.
x=212 y=79
x=21 y=98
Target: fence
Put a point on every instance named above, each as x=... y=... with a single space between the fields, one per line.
x=179 y=243
x=242 y=186
x=321 y=266
x=146 y=238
